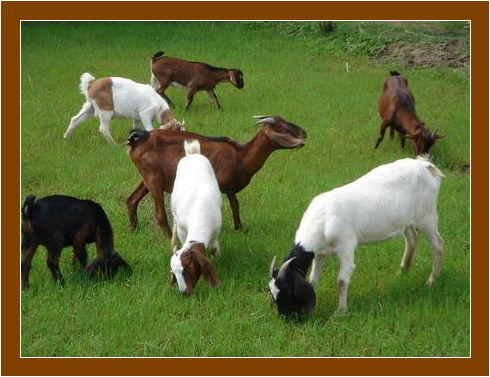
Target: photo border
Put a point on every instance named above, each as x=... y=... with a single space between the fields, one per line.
x=14 y=12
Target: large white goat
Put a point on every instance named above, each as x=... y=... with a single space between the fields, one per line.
x=196 y=209
x=392 y=199
x=118 y=97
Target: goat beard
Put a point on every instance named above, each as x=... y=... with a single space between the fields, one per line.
x=284 y=140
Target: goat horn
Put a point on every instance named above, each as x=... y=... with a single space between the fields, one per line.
x=261 y=116
x=284 y=267
x=435 y=131
x=268 y=120
x=271 y=270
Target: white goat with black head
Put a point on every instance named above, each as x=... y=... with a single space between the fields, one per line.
x=117 y=97
x=392 y=199
x=196 y=209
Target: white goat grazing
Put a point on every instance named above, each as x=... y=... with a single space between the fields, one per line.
x=110 y=97
x=196 y=210
x=392 y=199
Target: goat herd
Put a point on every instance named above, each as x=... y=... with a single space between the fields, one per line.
x=392 y=199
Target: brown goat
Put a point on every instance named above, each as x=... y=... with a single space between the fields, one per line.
x=397 y=109
x=192 y=76
x=157 y=153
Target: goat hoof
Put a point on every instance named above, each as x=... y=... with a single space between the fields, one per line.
x=339 y=313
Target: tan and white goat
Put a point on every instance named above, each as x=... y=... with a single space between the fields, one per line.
x=110 y=97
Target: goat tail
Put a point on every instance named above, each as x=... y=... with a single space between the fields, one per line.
x=394 y=73
x=433 y=169
x=85 y=80
x=192 y=147
x=27 y=207
x=104 y=238
x=157 y=55
x=136 y=135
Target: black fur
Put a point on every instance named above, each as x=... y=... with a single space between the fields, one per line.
x=296 y=297
x=394 y=73
x=59 y=221
x=157 y=55
x=137 y=135
x=212 y=68
x=302 y=259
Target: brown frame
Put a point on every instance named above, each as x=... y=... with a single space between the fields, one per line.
x=13 y=12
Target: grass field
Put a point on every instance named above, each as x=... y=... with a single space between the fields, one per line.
x=390 y=314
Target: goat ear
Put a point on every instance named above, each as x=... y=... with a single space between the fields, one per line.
x=305 y=291
x=283 y=139
x=439 y=136
x=207 y=268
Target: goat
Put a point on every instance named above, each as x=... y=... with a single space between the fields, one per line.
x=392 y=199
x=397 y=110
x=196 y=209
x=59 y=221
x=110 y=97
x=192 y=76
x=156 y=154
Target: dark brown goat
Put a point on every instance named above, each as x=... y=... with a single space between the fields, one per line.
x=397 y=110
x=157 y=153
x=192 y=76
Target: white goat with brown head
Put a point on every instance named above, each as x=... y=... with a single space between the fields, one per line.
x=110 y=97
x=196 y=209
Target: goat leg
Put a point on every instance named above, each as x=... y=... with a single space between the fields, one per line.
x=54 y=265
x=156 y=189
x=189 y=97
x=235 y=209
x=132 y=203
x=167 y=99
x=213 y=97
x=382 y=131
x=27 y=253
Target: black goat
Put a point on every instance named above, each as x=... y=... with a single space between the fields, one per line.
x=59 y=221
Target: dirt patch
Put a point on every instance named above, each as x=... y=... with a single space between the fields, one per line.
x=413 y=54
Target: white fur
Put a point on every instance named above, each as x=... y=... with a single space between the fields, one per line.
x=131 y=100
x=196 y=205
x=392 y=199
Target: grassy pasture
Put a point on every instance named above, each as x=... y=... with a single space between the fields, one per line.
x=390 y=314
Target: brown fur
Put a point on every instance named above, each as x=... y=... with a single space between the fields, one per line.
x=101 y=92
x=195 y=263
x=397 y=110
x=234 y=164
x=193 y=76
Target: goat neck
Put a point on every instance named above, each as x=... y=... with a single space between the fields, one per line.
x=256 y=152
x=302 y=259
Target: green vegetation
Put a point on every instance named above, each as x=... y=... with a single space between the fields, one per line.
x=390 y=314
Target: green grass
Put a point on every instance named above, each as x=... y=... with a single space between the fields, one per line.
x=390 y=314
